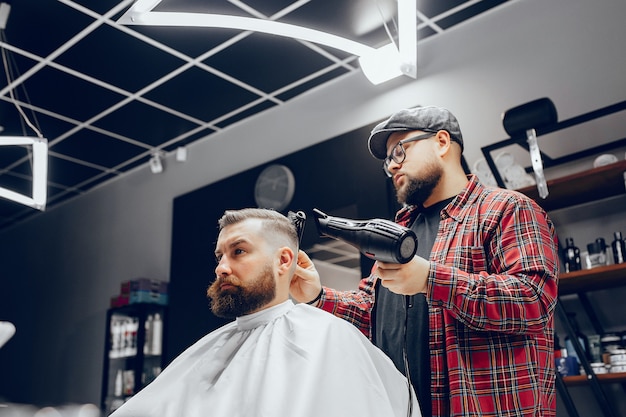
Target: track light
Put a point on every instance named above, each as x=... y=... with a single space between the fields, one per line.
x=181 y=154
x=156 y=163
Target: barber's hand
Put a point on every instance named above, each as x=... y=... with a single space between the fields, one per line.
x=305 y=284
x=407 y=279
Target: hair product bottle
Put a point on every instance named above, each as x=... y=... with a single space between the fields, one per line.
x=619 y=248
x=572 y=256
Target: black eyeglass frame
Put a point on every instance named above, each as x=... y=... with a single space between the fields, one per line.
x=400 y=144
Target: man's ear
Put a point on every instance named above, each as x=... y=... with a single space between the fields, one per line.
x=286 y=260
x=444 y=142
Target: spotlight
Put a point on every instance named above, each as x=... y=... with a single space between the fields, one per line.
x=156 y=163
x=181 y=154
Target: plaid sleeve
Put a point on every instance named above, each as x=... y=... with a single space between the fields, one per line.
x=353 y=306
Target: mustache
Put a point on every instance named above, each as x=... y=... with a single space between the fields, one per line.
x=215 y=289
x=230 y=280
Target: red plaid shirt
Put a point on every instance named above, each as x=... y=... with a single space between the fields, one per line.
x=492 y=289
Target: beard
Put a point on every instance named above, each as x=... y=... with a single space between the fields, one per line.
x=417 y=190
x=242 y=298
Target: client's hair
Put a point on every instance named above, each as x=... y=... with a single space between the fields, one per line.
x=273 y=221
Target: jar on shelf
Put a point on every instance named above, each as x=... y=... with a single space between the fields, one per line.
x=599 y=368
x=618 y=361
x=597 y=254
x=609 y=343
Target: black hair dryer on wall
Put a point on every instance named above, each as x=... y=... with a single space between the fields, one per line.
x=378 y=239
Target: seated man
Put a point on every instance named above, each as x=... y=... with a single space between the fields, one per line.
x=276 y=359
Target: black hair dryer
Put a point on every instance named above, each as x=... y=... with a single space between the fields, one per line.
x=378 y=239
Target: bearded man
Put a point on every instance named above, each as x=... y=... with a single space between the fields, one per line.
x=469 y=320
x=276 y=358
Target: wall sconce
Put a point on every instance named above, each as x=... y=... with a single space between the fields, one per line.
x=156 y=163
x=375 y=63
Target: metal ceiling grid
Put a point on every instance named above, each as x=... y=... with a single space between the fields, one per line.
x=108 y=96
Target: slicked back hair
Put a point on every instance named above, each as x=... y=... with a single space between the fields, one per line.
x=273 y=222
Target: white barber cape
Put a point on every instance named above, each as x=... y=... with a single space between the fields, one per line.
x=285 y=361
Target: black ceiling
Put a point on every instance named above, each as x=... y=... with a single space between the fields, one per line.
x=108 y=96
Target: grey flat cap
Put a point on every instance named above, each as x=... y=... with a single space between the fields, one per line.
x=427 y=119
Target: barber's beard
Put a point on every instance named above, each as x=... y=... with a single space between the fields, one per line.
x=417 y=190
x=242 y=298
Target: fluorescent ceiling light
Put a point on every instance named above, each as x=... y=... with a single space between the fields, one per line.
x=141 y=13
x=40 y=172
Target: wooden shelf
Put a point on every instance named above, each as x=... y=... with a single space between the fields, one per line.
x=583 y=187
x=609 y=276
x=602 y=378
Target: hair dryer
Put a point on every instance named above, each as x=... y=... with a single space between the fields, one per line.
x=378 y=239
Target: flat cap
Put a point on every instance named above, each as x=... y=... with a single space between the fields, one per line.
x=426 y=118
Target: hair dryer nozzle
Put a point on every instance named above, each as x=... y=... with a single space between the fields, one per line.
x=299 y=221
x=378 y=239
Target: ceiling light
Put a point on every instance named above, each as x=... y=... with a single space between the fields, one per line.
x=142 y=13
x=39 y=155
x=156 y=163
x=5 y=9
x=7 y=330
x=40 y=172
x=181 y=154
x=382 y=64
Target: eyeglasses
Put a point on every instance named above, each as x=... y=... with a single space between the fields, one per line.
x=398 y=155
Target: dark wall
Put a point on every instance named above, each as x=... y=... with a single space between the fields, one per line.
x=338 y=176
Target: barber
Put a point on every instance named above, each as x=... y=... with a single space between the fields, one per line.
x=469 y=320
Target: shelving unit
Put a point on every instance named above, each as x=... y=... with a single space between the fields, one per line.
x=579 y=282
x=598 y=184
x=133 y=354
x=568 y=191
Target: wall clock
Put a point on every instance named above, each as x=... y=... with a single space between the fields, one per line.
x=274 y=187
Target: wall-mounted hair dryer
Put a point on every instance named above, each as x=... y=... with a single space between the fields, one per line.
x=378 y=239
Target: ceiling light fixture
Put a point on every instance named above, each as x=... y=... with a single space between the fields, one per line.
x=40 y=171
x=375 y=63
x=7 y=330
x=156 y=163
x=39 y=153
x=181 y=154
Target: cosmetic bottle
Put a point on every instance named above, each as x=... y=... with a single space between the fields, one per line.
x=157 y=334
x=147 y=345
x=572 y=256
x=619 y=248
x=582 y=339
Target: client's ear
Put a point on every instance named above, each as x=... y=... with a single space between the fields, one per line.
x=286 y=260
